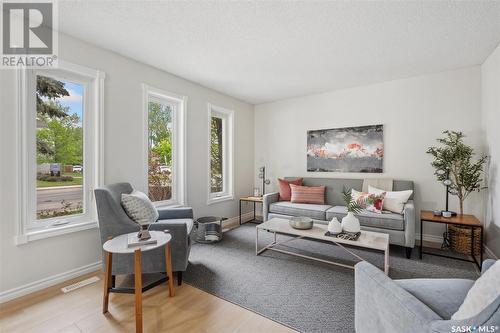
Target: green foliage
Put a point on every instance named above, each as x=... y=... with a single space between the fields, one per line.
x=48 y=88
x=454 y=159
x=164 y=151
x=61 y=142
x=352 y=205
x=160 y=133
x=49 y=178
x=216 y=155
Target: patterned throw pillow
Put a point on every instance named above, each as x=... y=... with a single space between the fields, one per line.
x=369 y=201
x=394 y=201
x=139 y=208
x=308 y=194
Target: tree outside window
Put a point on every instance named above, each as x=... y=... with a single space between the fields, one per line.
x=216 y=155
x=59 y=147
x=160 y=151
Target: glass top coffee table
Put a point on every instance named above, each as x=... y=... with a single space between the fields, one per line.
x=367 y=240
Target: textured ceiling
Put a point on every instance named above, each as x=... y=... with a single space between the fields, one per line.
x=267 y=51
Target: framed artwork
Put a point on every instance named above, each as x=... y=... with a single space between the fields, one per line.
x=348 y=149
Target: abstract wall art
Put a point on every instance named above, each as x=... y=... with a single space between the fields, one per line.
x=348 y=149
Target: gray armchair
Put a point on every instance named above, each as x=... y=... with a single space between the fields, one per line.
x=414 y=305
x=113 y=221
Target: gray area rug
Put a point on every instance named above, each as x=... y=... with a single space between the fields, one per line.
x=305 y=295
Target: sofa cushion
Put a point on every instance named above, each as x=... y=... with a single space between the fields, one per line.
x=313 y=211
x=485 y=291
x=368 y=219
x=394 y=201
x=369 y=201
x=443 y=296
x=308 y=194
x=285 y=190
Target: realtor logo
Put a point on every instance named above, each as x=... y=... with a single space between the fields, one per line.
x=29 y=34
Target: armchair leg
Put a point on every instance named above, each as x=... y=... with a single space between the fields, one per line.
x=408 y=252
x=179 y=278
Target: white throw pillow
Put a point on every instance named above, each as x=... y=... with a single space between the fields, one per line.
x=394 y=201
x=483 y=292
x=139 y=208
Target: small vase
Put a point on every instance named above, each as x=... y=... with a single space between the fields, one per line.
x=350 y=223
x=334 y=226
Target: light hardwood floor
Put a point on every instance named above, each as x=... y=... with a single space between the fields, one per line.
x=190 y=310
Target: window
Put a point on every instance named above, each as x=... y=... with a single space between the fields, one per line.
x=220 y=139
x=60 y=149
x=164 y=128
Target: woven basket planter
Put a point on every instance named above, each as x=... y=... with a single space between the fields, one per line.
x=460 y=239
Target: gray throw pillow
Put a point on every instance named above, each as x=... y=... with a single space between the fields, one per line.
x=139 y=208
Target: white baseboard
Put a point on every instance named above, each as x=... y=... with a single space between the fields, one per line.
x=429 y=238
x=233 y=222
x=74 y=273
x=50 y=281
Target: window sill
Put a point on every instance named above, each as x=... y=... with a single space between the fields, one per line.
x=52 y=231
x=164 y=204
x=216 y=200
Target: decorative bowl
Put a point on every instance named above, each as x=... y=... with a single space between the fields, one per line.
x=301 y=222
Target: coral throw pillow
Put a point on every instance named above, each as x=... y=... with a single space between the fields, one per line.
x=285 y=191
x=369 y=201
x=308 y=194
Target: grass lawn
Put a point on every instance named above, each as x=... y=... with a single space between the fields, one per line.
x=77 y=180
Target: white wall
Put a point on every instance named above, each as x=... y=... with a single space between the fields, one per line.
x=41 y=259
x=490 y=74
x=413 y=111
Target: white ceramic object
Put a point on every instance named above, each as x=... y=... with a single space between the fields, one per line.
x=446 y=214
x=350 y=223
x=334 y=226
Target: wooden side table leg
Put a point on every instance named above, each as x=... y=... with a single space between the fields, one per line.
x=138 y=291
x=481 y=249
x=168 y=267
x=421 y=238
x=107 y=281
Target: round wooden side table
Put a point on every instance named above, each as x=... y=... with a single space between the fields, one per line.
x=119 y=245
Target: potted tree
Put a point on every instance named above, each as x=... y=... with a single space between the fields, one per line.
x=461 y=174
x=455 y=166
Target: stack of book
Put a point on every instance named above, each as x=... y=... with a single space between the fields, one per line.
x=134 y=241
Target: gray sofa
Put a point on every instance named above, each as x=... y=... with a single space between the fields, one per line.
x=383 y=305
x=400 y=227
x=113 y=221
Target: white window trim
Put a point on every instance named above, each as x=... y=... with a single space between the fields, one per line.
x=178 y=143
x=228 y=155
x=27 y=230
